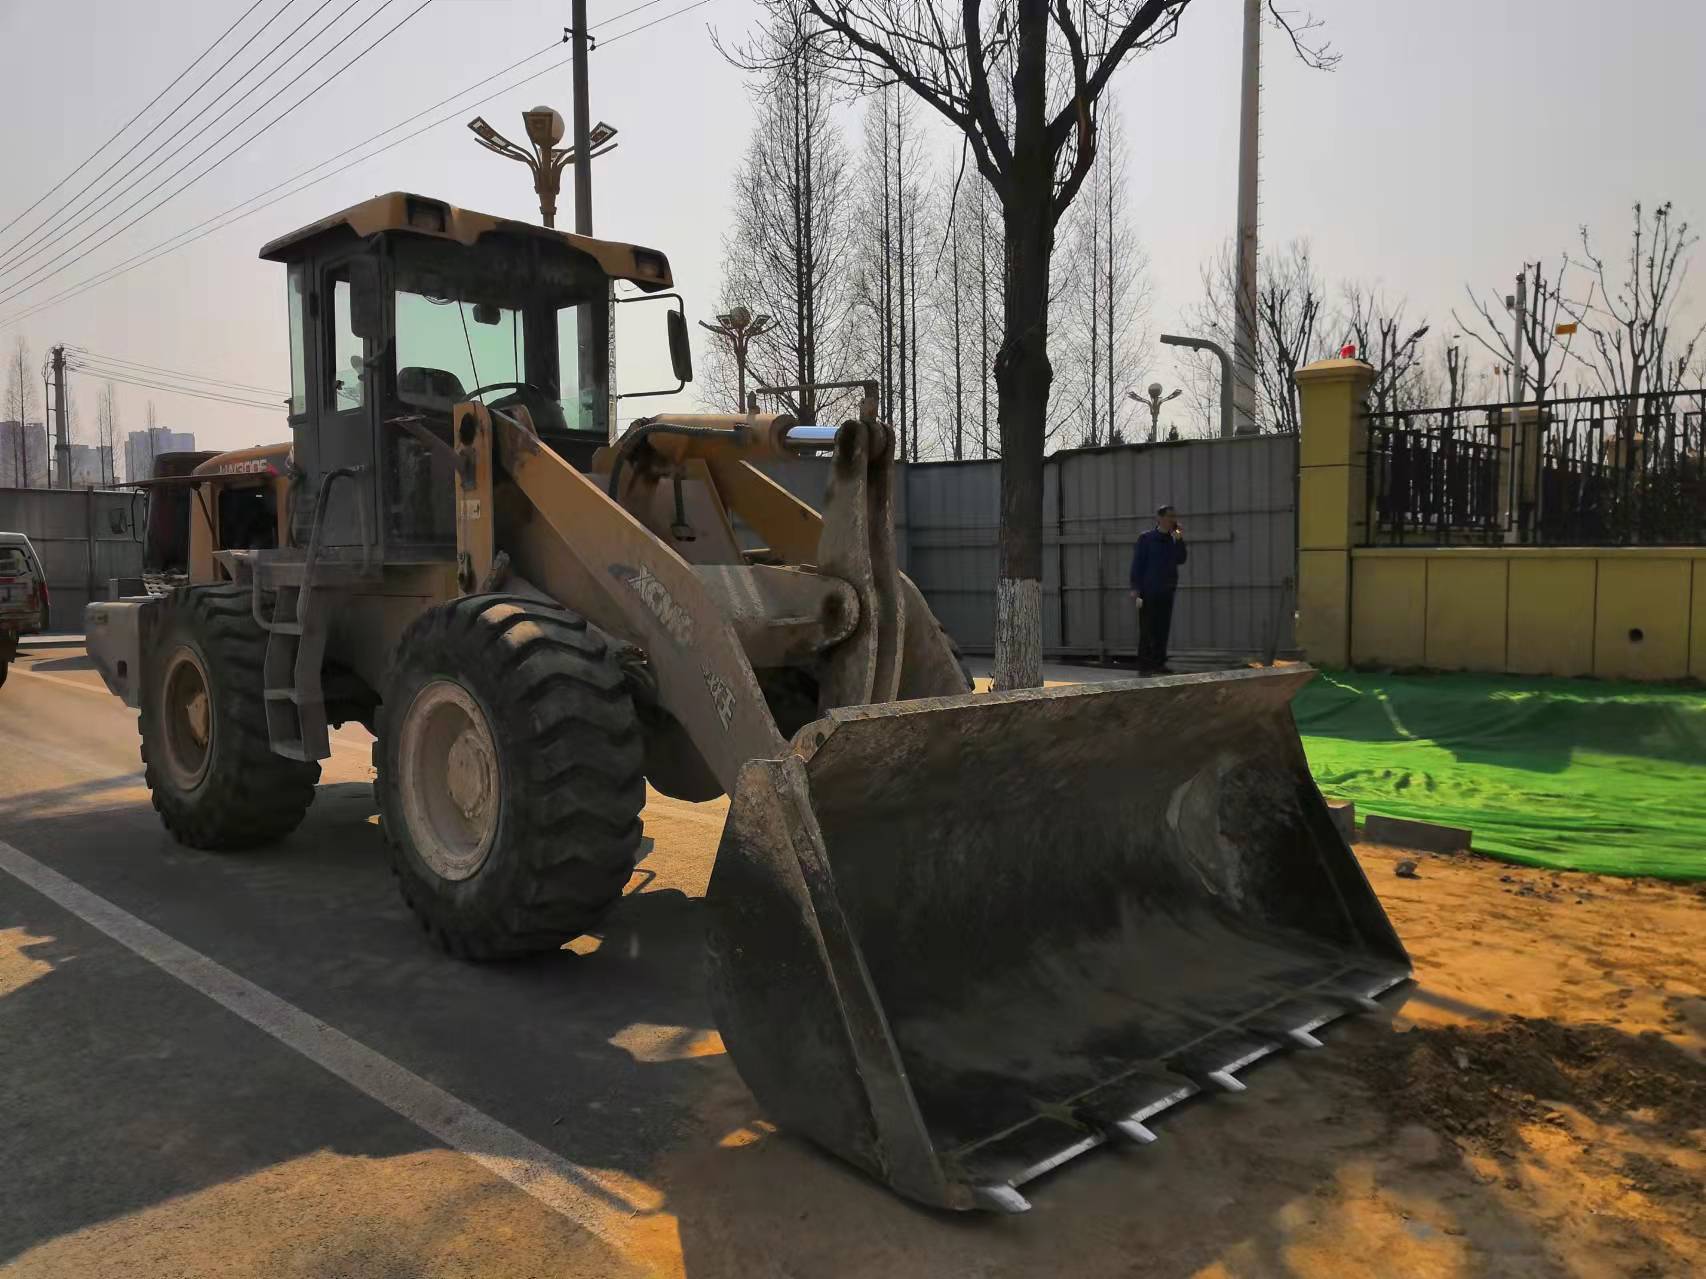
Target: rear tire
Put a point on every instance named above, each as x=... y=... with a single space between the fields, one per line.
x=510 y=778
x=214 y=780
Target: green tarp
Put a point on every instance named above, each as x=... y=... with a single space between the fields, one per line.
x=1573 y=774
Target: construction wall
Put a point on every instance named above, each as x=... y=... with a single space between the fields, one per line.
x=1616 y=613
x=1236 y=500
x=83 y=536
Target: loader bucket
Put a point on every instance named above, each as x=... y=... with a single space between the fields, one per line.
x=959 y=940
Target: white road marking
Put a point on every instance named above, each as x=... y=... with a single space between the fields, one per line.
x=60 y=679
x=548 y=1177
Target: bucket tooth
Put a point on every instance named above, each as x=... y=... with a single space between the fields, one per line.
x=1220 y=1069
x=1120 y=1109
x=1356 y=1000
x=1296 y=1023
x=1000 y=1199
x=1133 y=1131
x=1033 y=1148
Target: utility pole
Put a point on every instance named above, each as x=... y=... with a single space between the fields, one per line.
x=1518 y=304
x=1249 y=128
x=62 y=449
x=582 y=122
x=597 y=334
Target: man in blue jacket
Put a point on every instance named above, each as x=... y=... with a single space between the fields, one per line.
x=1154 y=579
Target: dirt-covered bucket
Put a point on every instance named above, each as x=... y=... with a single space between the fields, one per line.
x=959 y=940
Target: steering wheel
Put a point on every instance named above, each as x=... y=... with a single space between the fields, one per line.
x=546 y=413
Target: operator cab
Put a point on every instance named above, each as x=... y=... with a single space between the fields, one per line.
x=400 y=308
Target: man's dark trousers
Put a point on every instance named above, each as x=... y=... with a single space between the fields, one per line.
x=1154 y=622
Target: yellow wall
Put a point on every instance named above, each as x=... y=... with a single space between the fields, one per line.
x=1551 y=608
x=1616 y=613
x=1697 y=624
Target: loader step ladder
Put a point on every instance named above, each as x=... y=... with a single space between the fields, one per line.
x=296 y=631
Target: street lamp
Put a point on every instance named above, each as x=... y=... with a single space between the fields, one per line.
x=740 y=326
x=1155 y=401
x=1203 y=344
x=545 y=130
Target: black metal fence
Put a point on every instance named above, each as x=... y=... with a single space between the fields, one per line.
x=1591 y=471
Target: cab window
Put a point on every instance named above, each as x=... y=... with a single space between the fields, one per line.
x=344 y=383
x=446 y=347
x=578 y=408
x=296 y=299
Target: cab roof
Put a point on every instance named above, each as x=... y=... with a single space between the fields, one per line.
x=403 y=211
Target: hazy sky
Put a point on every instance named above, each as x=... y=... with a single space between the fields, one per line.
x=1457 y=139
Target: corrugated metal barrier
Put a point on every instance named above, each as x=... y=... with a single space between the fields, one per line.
x=84 y=537
x=1236 y=500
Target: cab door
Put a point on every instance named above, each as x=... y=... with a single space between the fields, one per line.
x=347 y=407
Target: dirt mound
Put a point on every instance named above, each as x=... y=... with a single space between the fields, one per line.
x=1479 y=1082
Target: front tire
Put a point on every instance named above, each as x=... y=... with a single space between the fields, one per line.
x=214 y=780
x=510 y=777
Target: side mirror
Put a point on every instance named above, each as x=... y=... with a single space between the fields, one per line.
x=367 y=298
x=680 y=349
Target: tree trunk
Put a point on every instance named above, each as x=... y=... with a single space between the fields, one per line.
x=959 y=360
x=902 y=273
x=1022 y=372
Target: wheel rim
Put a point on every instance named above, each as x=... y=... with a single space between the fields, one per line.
x=450 y=787
x=186 y=709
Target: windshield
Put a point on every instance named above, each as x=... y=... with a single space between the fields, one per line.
x=13 y=562
x=446 y=347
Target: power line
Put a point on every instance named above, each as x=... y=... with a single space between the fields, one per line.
x=43 y=273
x=231 y=216
x=197 y=232
x=133 y=119
x=109 y=375
x=602 y=22
x=644 y=25
x=166 y=246
x=251 y=138
x=28 y=239
x=85 y=353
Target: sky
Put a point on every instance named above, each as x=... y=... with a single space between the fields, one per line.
x=1455 y=140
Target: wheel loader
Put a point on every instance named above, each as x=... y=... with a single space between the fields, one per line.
x=954 y=938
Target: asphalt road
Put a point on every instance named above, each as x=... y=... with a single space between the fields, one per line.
x=256 y=1064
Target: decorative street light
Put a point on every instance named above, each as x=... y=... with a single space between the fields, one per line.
x=1155 y=401
x=545 y=130
x=740 y=326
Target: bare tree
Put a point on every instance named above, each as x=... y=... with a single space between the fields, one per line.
x=965 y=309
x=898 y=268
x=106 y=431
x=1545 y=351
x=20 y=403
x=1035 y=160
x=1289 y=328
x=1629 y=319
x=790 y=250
x=1376 y=325
x=1107 y=291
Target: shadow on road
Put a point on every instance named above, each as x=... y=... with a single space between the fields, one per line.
x=134 y=1090
x=78 y=663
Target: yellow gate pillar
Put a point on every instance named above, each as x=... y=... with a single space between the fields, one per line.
x=1332 y=497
